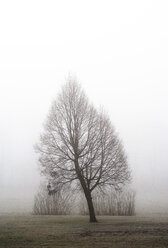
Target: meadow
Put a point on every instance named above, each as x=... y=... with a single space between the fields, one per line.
x=26 y=231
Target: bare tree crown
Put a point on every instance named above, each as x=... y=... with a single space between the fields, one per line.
x=80 y=143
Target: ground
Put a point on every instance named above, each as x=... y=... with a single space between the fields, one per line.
x=75 y=231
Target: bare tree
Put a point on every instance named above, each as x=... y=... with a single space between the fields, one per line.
x=79 y=144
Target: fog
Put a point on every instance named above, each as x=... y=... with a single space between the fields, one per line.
x=118 y=52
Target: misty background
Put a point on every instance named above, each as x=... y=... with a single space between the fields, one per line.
x=118 y=51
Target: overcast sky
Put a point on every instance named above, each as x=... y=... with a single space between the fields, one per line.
x=118 y=50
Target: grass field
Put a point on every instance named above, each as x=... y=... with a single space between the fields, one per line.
x=75 y=231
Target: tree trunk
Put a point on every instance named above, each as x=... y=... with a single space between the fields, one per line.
x=91 y=208
x=86 y=192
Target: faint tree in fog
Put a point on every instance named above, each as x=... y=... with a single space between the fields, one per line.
x=80 y=145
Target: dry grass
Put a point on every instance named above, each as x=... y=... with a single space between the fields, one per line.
x=75 y=231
